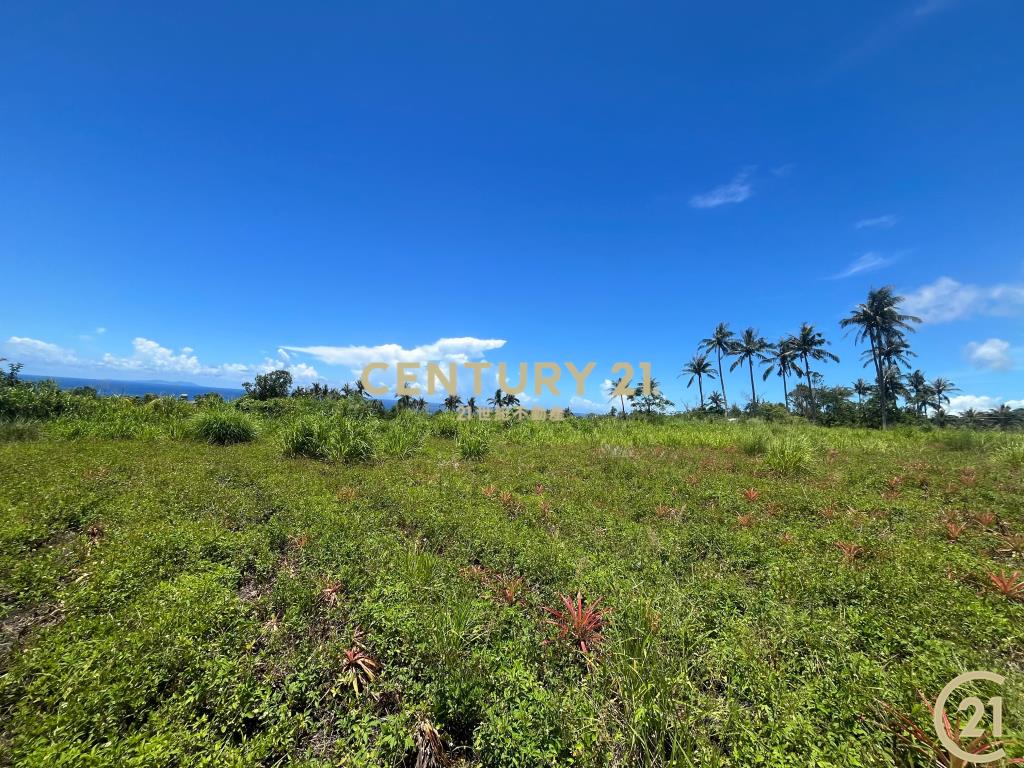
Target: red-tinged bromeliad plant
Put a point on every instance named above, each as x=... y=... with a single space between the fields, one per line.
x=850 y=550
x=581 y=624
x=1010 y=585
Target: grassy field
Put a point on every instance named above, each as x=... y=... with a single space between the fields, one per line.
x=751 y=594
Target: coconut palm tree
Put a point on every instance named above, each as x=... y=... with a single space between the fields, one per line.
x=1004 y=417
x=698 y=367
x=940 y=389
x=472 y=406
x=717 y=402
x=877 y=320
x=920 y=390
x=862 y=389
x=452 y=402
x=809 y=345
x=720 y=342
x=970 y=417
x=610 y=391
x=498 y=400
x=749 y=347
x=782 y=360
x=511 y=400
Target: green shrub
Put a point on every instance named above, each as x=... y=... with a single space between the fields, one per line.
x=223 y=427
x=754 y=440
x=18 y=430
x=38 y=400
x=320 y=437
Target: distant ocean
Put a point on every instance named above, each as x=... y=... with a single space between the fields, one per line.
x=139 y=388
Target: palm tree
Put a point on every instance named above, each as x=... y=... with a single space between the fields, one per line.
x=918 y=386
x=404 y=401
x=720 y=342
x=420 y=405
x=749 y=347
x=360 y=388
x=877 y=320
x=498 y=400
x=698 y=367
x=782 y=361
x=717 y=402
x=611 y=393
x=970 y=417
x=452 y=402
x=1004 y=417
x=511 y=401
x=862 y=389
x=472 y=406
x=810 y=345
x=940 y=389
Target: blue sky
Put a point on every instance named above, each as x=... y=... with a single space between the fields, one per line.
x=199 y=191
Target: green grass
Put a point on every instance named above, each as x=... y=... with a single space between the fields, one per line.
x=167 y=601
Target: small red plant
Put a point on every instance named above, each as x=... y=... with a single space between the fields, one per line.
x=509 y=589
x=985 y=519
x=360 y=667
x=894 y=483
x=299 y=542
x=786 y=538
x=665 y=511
x=745 y=521
x=924 y=742
x=954 y=529
x=579 y=623
x=969 y=476
x=850 y=550
x=751 y=494
x=490 y=491
x=829 y=512
x=1009 y=585
x=538 y=489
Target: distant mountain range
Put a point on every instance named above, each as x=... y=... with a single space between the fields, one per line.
x=139 y=388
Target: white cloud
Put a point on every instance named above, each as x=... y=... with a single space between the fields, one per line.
x=42 y=351
x=736 y=191
x=887 y=221
x=991 y=353
x=946 y=299
x=961 y=403
x=868 y=262
x=151 y=357
x=100 y=331
x=453 y=350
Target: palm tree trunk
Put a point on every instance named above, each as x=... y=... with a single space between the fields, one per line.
x=785 y=390
x=700 y=387
x=810 y=386
x=753 y=389
x=878 y=375
x=721 y=378
x=622 y=402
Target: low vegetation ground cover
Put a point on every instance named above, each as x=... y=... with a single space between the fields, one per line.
x=196 y=584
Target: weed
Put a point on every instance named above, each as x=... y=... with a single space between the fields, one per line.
x=581 y=624
x=1009 y=585
x=223 y=427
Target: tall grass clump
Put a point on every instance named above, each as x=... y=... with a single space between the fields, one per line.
x=445 y=425
x=309 y=437
x=223 y=427
x=18 y=430
x=321 y=437
x=472 y=443
x=755 y=440
x=788 y=454
x=960 y=439
x=1012 y=453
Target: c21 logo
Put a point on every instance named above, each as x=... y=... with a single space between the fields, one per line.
x=973 y=729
